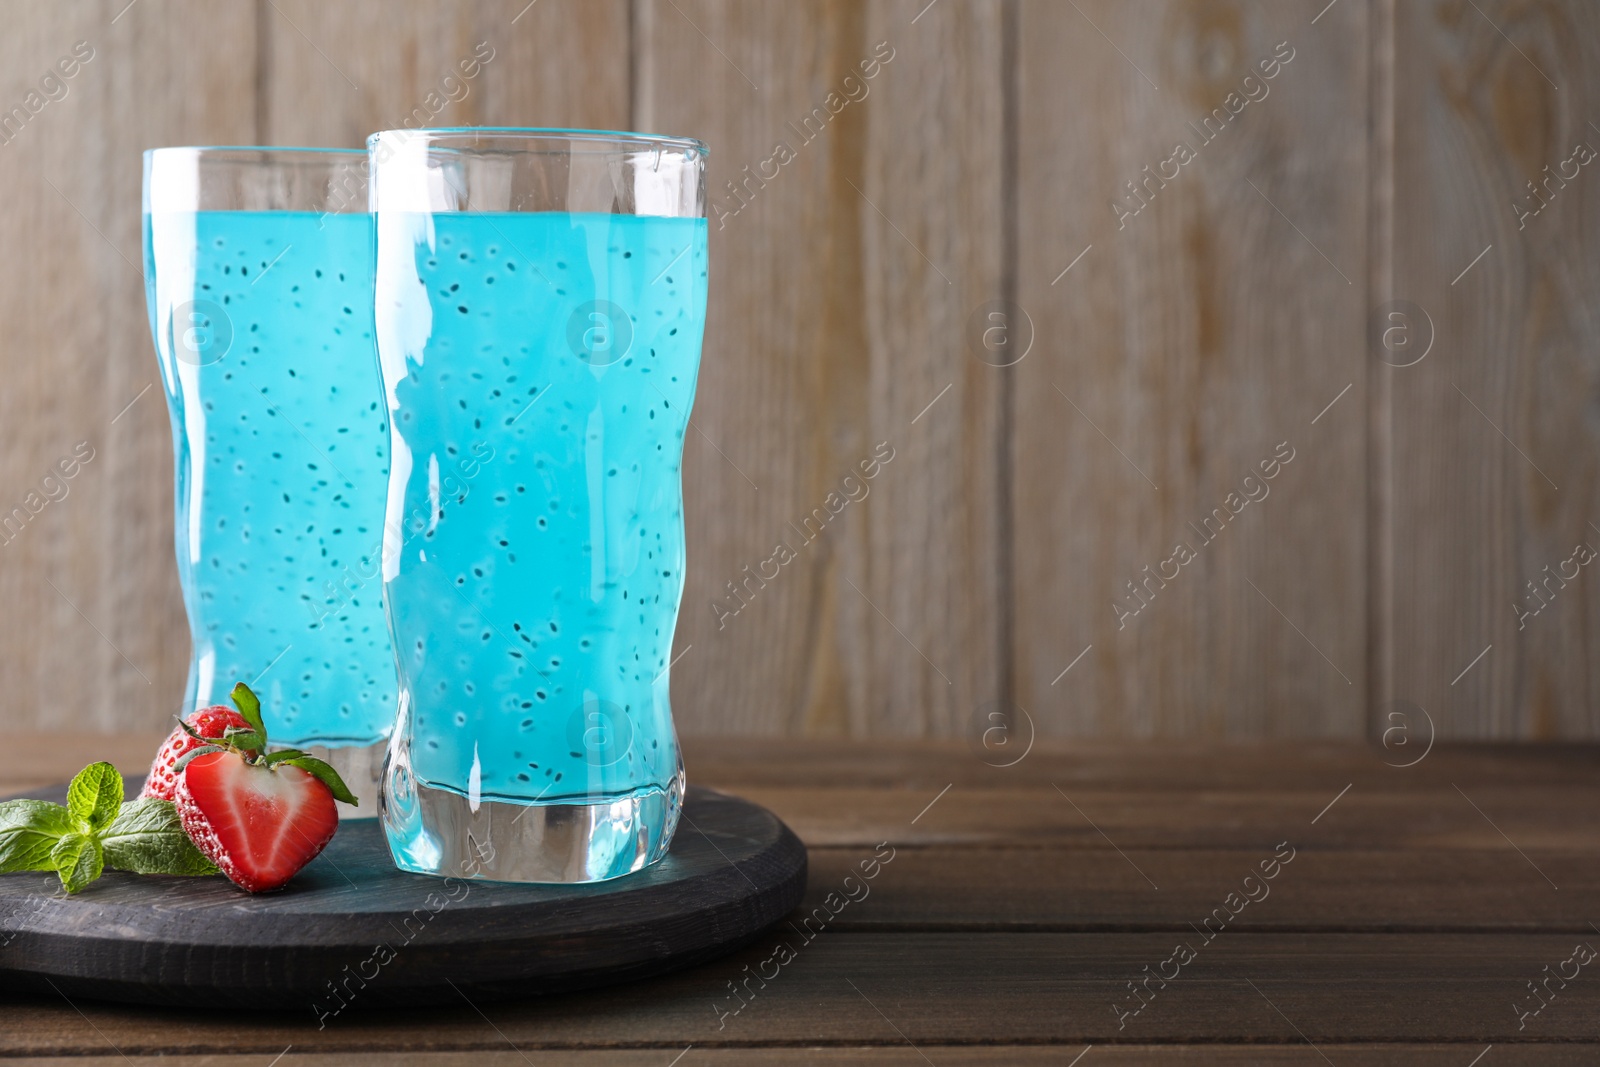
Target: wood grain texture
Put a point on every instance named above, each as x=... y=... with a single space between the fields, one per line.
x=1080 y=887
x=1196 y=334
x=926 y=767
x=1496 y=459
x=1216 y=1055
x=1433 y=818
x=1005 y=919
x=947 y=988
x=335 y=73
x=94 y=620
x=840 y=283
x=1132 y=767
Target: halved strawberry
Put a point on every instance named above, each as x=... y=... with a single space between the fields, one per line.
x=259 y=824
x=260 y=818
x=162 y=781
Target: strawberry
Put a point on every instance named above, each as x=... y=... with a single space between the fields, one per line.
x=258 y=824
x=259 y=817
x=162 y=781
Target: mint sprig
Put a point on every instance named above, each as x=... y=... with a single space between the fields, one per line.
x=78 y=859
x=147 y=837
x=95 y=795
x=29 y=830
x=94 y=831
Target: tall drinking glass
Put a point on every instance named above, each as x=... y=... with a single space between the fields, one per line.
x=258 y=274
x=540 y=302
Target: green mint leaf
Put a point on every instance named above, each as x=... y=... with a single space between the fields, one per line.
x=78 y=860
x=249 y=706
x=327 y=775
x=95 y=795
x=147 y=837
x=279 y=756
x=29 y=830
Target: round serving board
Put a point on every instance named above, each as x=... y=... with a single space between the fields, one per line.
x=352 y=931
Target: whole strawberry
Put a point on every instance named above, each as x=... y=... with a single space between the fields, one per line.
x=162 y=781
x=258 y=816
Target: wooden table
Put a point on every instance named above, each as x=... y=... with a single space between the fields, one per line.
x=1013 y=911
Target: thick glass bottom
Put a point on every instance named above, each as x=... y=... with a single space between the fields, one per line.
x=443 y=832
x=361 y=767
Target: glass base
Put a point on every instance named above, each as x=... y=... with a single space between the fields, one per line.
x=361 y=767
x=442 y=832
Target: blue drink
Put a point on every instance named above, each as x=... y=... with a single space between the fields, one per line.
x=263 y=326
x=540 y=369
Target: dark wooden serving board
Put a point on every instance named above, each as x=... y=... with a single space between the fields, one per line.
x=351 y=931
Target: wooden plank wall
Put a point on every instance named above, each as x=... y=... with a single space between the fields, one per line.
x=1496 y=457
x=93 y=626
x=1213 y=315
x=1179 y=332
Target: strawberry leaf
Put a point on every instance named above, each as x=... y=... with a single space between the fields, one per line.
x=183 y=760
x=95 y=795
x=196 y=734
x=243 y=738
x=78 y=860
x=249 y=706
x=147 y=837
x=327 y=776
x=29 y=830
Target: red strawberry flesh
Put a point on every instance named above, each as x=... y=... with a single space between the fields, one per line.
x=162 y=782
x=258 y=824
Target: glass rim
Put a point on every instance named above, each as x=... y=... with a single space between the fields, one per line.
x=223 y=152
x=620 y=139
x=185 y=178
